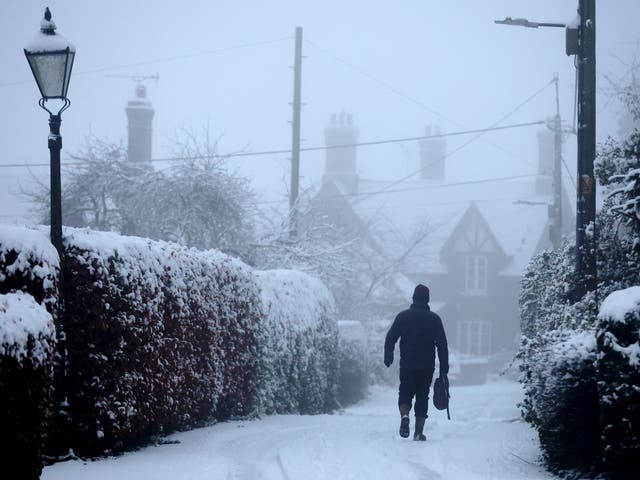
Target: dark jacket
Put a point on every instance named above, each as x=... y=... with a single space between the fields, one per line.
x=421 y=333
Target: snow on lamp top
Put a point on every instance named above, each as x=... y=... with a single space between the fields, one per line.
x=50 y=57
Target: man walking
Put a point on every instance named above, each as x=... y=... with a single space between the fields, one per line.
x=421 y=333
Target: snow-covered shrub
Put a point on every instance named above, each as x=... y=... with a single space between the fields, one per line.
x=27 y=342
x=29 y=263
x=564 y=401
x=353 y=379
x=618 y=368
x=160 y=337
x=298 y=345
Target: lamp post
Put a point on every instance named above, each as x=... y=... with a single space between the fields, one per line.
x=581 y=41
x=50 y=57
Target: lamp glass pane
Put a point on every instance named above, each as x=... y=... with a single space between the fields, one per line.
x=71 y=56
x=49 y=72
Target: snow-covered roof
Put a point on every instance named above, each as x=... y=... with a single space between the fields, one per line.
x=395 y=212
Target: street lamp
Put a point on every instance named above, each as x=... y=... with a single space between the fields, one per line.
x=581 y=42
x=50 y=57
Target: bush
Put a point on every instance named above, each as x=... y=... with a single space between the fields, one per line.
x=27 y=342
x=353 y=379
x=563 y=403
x=619 y=381
x=160 y=337
x=29 y=263
x=298 y=343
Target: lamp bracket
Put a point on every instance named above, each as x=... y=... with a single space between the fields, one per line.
x=42 y=102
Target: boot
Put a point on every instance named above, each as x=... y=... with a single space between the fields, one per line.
x=404 y=420
x=418 y=436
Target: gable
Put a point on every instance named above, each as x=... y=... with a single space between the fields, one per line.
x=472 y=234
x=475 y=237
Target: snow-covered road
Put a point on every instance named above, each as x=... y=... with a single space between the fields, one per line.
x=485 y=440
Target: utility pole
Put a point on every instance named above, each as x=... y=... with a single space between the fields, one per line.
x=581 y=42
x=555 y=229
x=586 y=280
x=295 y=140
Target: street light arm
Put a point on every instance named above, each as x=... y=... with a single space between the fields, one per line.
x=523 y=22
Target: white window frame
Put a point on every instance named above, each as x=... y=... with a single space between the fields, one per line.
x=476 y=274
x=474 y=337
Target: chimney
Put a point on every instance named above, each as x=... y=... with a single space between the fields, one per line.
x=544 y=181
x=340 y=163
x=433 y=153
x=140 y=115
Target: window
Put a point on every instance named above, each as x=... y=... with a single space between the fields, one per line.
x=474 y=337
x=476 y=274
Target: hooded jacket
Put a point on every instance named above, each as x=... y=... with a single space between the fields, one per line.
x=421 y=333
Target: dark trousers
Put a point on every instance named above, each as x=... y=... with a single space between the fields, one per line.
x=415 y=383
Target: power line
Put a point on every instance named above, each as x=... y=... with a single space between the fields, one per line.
x=305 y=149
x=414 y=188
x=494 y=125
x=381 y=82
x=162 y=60
x=402 y=94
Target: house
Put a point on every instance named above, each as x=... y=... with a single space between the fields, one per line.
x=469 y=241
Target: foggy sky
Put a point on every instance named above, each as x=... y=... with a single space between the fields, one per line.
x=397 y=67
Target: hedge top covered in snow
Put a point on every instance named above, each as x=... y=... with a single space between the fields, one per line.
x=138 y=254
x=619 y=303
x=22 y=318
x=31 y=245
x=291 y=294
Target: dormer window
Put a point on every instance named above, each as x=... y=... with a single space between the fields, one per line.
x=476 y=274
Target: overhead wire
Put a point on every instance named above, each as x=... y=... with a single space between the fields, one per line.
x=162 y=59
x=420 y=187
x=401 y=94
x=476 y=137
x=304 y=149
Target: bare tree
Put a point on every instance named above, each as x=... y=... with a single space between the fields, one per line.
x=196 y=201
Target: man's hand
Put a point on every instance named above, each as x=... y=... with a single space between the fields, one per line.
x=445 y=379
x=388 y=361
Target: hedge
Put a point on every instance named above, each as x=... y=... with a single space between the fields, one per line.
x=563 y=399
x=28 y=265
x=298 y=345
x=27 y=342
x=618 y=368
x=353 y=379
x=160 y=338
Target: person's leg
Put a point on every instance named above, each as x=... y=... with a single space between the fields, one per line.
x=423 y=383
x=405 y=397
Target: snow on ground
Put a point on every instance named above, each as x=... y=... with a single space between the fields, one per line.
x=484 y=440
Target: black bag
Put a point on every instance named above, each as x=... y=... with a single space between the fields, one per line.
x=441 y=394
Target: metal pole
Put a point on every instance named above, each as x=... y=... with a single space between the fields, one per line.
x=586 y=195
x=556 y=227
x=55 y=145
x=295 y=142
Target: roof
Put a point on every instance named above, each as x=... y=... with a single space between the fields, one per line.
x=397 y=213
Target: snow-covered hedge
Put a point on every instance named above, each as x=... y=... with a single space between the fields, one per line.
x=298 y=345
x=618 y=368
x=160 y=337
x=557 y=354
x=562 y=401
x=27 y=342
x=29 y=266
x=29 y=263
x=353 y=379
